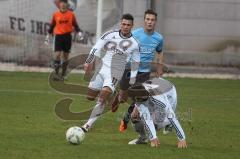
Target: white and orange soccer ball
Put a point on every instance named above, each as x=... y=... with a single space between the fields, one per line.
x=75 y=135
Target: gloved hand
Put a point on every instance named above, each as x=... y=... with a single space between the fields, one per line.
x=80 y=35
x=47 y=40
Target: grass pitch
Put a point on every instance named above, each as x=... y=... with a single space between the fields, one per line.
x=29 y=128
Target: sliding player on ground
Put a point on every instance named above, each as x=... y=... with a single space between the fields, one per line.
x=156 y=102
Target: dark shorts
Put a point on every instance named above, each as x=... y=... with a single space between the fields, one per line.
x=141 y=77
x=63 y=43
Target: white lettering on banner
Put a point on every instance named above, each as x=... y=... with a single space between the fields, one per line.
x=38 y=28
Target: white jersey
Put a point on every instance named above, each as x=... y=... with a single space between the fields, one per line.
x=118 y=51
x=159 y=110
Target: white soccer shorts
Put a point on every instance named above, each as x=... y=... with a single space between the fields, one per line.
x=103 y=79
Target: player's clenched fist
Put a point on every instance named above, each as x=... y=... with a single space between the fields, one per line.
x=182 y=144
x=47 y=40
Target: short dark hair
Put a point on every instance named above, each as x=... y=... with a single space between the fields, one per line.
x=150 y=11
x=138 y=91
x=65 y=1
x=127 y=17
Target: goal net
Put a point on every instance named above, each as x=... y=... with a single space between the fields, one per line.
x=24 y=24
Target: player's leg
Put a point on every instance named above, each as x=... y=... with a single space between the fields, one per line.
x=57 y=62
x=94 y=88
x=103 y=80
x=122 y=96
x=66 y=50
x=65 y=64
x=126 y=118
x=57 y=47
x=138 y=125
x=141 y=77
x=139 y=128
x=98 y=108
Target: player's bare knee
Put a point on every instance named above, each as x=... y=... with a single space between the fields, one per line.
x=104 y=95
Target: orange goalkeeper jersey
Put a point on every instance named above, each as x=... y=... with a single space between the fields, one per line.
x=63 y=22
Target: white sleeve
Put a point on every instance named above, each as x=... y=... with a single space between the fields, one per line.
x=96 y=50
x=135 y=59
x=175 y=123
x=147 y=121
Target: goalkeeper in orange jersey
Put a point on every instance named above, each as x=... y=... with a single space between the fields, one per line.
x=63 y=24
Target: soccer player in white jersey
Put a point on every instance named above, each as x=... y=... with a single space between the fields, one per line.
x=151 y=46
x=119 y=47
x=155 y=106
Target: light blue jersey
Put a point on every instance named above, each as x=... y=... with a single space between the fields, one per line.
x=149 y=45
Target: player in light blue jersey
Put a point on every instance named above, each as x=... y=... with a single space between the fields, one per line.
x=151 y=44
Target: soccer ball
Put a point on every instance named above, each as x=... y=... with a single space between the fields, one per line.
x=75 y=135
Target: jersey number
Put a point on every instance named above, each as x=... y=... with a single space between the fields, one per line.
x=114 y=81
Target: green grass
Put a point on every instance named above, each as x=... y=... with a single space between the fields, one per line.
x=29 y=128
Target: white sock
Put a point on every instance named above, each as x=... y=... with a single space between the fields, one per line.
x=96 y=112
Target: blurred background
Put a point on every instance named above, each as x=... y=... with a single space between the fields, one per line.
x=200 y=36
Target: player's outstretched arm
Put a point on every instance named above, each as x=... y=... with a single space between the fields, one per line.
x=178 y=128
x=148 y=124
